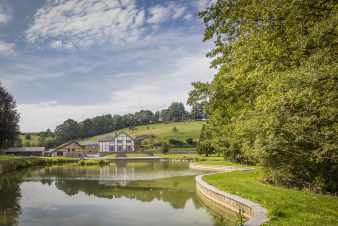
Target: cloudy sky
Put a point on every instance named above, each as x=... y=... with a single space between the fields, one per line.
x=81 y=58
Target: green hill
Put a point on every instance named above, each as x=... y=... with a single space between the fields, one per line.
x=161 y=132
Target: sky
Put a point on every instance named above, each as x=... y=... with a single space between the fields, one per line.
x=77 y=59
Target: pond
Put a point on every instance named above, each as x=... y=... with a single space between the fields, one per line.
x=120 y=194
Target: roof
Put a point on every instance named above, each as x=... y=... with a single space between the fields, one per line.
x=143 y=137
x=25 y=149
x=110 y=138
x=89 y=143
x=68 y=143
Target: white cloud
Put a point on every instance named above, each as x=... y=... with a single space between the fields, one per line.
x=154 y=93
x=158 y=14
x=203 y=4
x=162 y=13
x=6 y=49
x=86 y=22
x=5 y=13
x=56 y=44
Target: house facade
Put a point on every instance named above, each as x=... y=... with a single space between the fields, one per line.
x=75 y=149
x=121 y=142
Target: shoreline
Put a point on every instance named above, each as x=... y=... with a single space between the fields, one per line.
x=254 y=213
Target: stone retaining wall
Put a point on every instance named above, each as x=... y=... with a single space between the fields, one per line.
x=256 y=214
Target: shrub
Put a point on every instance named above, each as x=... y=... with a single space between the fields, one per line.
x=173 y=141
x=190 y=141
x=164 y=148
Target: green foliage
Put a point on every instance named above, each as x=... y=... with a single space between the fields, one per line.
x=37 y=139
x=27 y=143
x=176 y=142
x=175 y=113
x=198 y=111
x=9 y=119
x=190 y=141
x=164 y=148
x=274 y=99
x=205 y=144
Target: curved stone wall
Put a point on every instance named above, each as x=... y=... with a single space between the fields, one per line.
x=255 y=214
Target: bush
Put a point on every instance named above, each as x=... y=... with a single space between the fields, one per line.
x=175 y=142
x=164 y=148
x=190 y=141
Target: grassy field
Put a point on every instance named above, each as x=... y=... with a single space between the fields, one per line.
x=287 y=207
x=162 y=132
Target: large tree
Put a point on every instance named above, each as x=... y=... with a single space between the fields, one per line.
x=9 y=119
x=68 y=130
x=274 y=99
x=177 y=111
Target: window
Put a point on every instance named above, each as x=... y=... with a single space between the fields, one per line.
x=112 y=148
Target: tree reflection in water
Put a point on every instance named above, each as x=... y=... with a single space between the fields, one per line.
x=9 y=199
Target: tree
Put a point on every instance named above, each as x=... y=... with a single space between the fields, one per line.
x=18 y=142
x=198 y=111
x=177 y=112
x=27 y=143
x=204 y=144
x=69 y=130
x=157 y=116
x=9 y=119
x=165 y=115
x=42 y=141
x=274 y=98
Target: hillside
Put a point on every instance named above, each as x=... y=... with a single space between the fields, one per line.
x=161 y=132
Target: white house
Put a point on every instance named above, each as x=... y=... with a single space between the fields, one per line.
x=121 y=142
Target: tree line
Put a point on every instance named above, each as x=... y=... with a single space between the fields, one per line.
x=71 y=129
x=274 y=98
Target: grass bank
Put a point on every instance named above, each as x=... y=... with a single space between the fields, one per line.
x=287 y=207
x=11 y=163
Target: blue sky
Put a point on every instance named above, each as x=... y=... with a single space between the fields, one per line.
x=81 y=58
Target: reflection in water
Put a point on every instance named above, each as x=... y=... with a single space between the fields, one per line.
x=9 y=196
x=125 y=193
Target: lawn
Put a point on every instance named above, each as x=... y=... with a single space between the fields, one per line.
x=287 y=207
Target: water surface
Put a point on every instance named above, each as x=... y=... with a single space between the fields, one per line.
x=121 y=194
